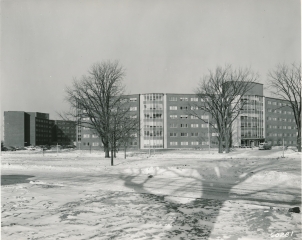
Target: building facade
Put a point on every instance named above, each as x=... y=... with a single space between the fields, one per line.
x=65 y=132
x=35 y=128
x=165 y=122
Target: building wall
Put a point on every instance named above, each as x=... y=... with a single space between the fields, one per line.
x=183 y=130
x=280 y=123
x=27 y=128
x=14 y=128
x=64 y=132
x=256 y=90
x=89 y=139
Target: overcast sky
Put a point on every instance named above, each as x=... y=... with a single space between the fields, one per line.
x=165 y=46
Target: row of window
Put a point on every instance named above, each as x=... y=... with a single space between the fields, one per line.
x=94 y=144
x=44 y=121
x=88 y=136
x=153 y=97
x=280 y=119
x=153 y=106
x=281 y=134
x=185 y=99
x=193 y=134
x=279 y=104
x=159 y=125
x=193 y=125
x=154 y=115
x=280 y=142
x=280 y=127
x=186 y=116
x=280 y=111
x=187 y=143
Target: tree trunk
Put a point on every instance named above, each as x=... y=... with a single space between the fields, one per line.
x=111 y=157
x=125 y=155
x=299 y=140
x=220 y=148
x=107 y=152
x=227 y=142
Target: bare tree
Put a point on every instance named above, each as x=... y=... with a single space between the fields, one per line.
x=285 y=82
x=95 y=98
x=122 y=127
x=221 y=93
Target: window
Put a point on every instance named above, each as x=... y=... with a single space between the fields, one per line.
x=94 y=136
x=274 y=119
x=269 y=102
x=183 y=134
x=194 y=125
x=183 y=116
x=183 y=125
x=184 y=144
x=289 y=127
x=173 y=107
x=279 y=134
x=204 y=117
x=204 y=143
x=133 y=108
x=173 y=116
x=284 y=127
x=204 y=125
x=173 y=125
x=133 y=135
x=183 y=99
x=85 y=119
x=133 y=116
x=280 y=104
x=279 y=111
x=173 y=99
x=173 y=143
x=194 y=143
x=133 y=99
x=194 y=117
x=95 y=144
x=184 y=107
x=215 y=134
x=194 y=99
x=194 y=107
x=173 y=134
x=194 y=134
x=274 y=103
x=86 y=135
x=269 y=110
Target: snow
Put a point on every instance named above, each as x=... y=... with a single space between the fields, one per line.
x=191 y=194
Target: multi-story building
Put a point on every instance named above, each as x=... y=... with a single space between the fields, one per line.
x=65 y=132
x=34 y=128
x=165 y=122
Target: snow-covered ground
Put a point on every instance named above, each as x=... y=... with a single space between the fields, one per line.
x=174 y=194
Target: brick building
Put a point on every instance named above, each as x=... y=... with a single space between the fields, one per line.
x=165 y=122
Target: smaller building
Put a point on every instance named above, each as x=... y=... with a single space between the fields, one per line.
x=65 y=132
x=35 y=128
